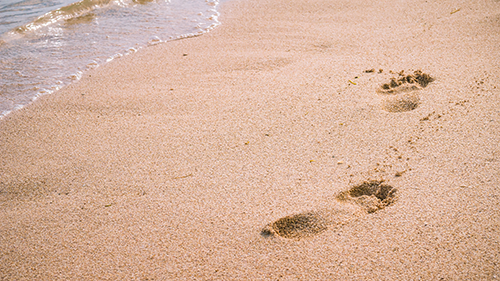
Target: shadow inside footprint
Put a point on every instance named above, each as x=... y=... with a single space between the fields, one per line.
x=370 y=195
x=402 y=103
x=296 y=226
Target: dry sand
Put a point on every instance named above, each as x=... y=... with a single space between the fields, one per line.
x=189 y=159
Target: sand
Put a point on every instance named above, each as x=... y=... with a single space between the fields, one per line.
x=269 y=149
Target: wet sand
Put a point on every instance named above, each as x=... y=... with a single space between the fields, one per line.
x=299 y=140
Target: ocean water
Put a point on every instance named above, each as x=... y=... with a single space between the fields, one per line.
x=47 y=44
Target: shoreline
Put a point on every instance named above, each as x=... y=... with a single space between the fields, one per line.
x=58 y=64
x=239 y=154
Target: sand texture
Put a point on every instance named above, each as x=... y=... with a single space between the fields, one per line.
x=311 y=140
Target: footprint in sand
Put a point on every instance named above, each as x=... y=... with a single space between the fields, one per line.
x=369 y=197
x=403 y=90
x=297 y=226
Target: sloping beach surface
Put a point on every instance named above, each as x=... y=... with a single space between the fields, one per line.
x=286 y=144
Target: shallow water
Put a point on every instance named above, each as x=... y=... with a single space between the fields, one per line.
x=46 y=44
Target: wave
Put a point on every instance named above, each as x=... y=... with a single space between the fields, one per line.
x=74 y=11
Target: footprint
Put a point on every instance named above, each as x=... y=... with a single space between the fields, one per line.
x=406 y=83
x=369 y=196
x=401 y=103
x=296 y=226
x=403 y=91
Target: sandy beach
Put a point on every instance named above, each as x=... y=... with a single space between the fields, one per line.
x=311 y=140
